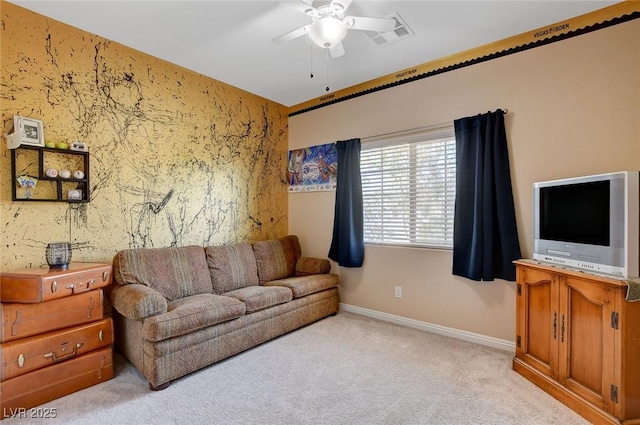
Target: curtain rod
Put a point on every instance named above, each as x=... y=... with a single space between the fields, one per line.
x=411 y=130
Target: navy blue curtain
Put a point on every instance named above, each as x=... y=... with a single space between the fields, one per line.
x=347 y=245
x=485 y=238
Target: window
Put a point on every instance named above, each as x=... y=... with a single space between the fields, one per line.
x=408 y=187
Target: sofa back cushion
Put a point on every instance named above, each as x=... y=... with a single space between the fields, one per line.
x=231 y=267
x=276 y=259
x=175 y=272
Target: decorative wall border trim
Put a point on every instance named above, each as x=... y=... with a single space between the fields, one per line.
x=500 y=344
x=609 y=16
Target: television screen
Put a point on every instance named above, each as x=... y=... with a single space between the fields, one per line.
x=576 y=213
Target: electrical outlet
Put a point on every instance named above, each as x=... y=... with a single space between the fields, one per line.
x=398 y=291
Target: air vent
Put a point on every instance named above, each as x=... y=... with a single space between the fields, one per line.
x=400 y=32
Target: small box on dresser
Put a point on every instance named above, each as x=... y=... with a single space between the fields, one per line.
x=54 y=338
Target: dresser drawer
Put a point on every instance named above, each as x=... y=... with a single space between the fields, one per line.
x=36 y=352
x=44 y=284
x=23 y=320
x=55 y=381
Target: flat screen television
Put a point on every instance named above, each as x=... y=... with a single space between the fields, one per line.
x=589 y=223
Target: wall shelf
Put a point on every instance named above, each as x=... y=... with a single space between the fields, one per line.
x=33 y=161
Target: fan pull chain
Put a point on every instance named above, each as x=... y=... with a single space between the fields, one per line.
x=311 y=62
x=327 y=89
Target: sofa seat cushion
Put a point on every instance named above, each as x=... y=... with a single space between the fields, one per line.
x=277 y=258
x=175 y=272
x=304 y=285
x=258 y=298
x=231 y=267
x=190 y=314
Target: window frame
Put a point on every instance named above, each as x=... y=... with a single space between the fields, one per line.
x=413 y=138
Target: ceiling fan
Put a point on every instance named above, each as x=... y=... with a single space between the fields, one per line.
x=329 y=25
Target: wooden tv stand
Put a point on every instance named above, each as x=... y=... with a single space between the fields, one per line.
x=578 y=339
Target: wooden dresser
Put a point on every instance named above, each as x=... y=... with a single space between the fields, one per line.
x=54 y=338
x=578 y=339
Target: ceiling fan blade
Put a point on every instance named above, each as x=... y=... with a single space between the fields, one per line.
x=370 y=24
x=344 y=4
x=337 y=50
x=288 y=36
x=303 y=6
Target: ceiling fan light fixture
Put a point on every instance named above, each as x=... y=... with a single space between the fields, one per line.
x=328 y=31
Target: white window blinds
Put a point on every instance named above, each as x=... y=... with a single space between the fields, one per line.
x=408 y=184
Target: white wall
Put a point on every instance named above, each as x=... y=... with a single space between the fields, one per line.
x=574 y=110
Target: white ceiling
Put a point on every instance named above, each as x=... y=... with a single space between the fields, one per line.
x=231 y=40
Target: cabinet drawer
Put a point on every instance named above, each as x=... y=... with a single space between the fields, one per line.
x=45 y=284
x=23 y=320
x=55 y=381
x=28 y=354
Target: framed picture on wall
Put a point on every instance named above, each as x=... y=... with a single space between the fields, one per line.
x=313 y=169
x=32 y=130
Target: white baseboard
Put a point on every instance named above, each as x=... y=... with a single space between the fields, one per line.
x=500 y=344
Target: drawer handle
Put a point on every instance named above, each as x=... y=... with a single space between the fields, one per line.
x=14 y=327
x=56 y=358
x=105 y=275
x=54 y=287
x=21 y=360
x=79 y=290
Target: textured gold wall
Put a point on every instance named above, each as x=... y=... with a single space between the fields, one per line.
x=176 y=158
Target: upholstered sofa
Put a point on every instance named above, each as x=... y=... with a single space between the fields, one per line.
x=179 y=309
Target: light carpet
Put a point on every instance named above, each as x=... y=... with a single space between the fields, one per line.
x=346 y=369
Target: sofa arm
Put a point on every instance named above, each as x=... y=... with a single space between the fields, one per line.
x=308 y=265
x=136 y=301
